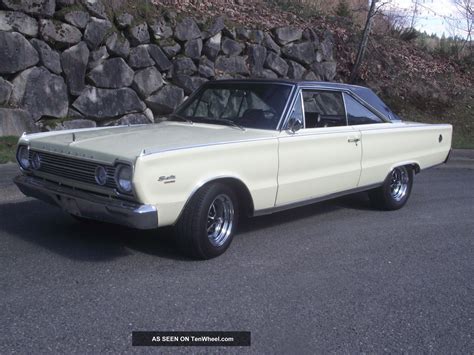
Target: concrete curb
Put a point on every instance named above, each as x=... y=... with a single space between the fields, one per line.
x=462 y=154
x=460 y=158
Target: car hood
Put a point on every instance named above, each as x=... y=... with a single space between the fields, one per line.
x=128 y=142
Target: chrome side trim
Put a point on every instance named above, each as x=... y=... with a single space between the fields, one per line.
x=313 y=200
x=321 y=131
x=89 y=205
x=156 y=150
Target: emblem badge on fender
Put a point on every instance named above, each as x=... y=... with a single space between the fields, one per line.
x=167 y=179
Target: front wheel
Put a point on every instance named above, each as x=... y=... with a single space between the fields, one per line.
x=208 y=222
x=395 y=191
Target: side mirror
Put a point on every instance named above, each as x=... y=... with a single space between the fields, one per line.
x=294 y=125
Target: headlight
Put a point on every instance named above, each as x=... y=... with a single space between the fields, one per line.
x=22 y=156
x=100 y=175
x=36 y=161
x=123 y=178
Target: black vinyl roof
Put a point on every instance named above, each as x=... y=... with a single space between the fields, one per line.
x=362 y=92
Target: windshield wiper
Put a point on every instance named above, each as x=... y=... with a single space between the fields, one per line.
x=182 y=118
x=226 y=121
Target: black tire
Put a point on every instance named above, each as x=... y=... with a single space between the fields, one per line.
x=192 y=228
x=391 y=196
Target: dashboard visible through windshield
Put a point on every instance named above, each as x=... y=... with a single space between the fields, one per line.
x=251 y=105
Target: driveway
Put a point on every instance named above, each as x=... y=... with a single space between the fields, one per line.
x=332 y=277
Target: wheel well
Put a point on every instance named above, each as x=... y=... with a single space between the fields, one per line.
x=416 y=168
x=242 y=192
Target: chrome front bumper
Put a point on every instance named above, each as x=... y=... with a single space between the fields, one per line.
x=89 y=205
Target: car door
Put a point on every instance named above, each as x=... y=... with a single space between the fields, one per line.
x=324 y=156
x=380 y=141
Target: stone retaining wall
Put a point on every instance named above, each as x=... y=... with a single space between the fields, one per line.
x=67 y=64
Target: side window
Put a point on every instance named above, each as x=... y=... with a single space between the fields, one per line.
x=297 y=113
x=323 y=109
x=357 y=114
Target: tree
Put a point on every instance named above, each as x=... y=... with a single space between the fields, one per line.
x=373 y=9
x=443 y=45
x=416 y=3
x=343 y=9
x=465 y=10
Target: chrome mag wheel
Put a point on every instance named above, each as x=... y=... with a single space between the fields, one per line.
x=220 y=219
x=399 y=181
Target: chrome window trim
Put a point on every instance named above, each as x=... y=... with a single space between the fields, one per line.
x=300 y=89
x=210 y=83
x=349 y=92
x=283 y=124
x=296 y=89
x=299 y=94
x=368 y=107
x=302 y=107
x=345 y=108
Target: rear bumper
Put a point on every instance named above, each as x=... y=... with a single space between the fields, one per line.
x=87 y=205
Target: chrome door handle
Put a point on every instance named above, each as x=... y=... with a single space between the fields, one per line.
x=353 y=140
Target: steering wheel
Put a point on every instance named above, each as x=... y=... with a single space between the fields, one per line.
x=269 y=114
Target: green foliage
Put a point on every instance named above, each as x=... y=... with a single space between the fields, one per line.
x=405 y=34
x=7 y=149
x=409 y=35
x=453 y=48
x=343 y=9
x=459 y=114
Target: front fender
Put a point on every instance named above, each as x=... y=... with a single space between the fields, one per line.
x=168 y=179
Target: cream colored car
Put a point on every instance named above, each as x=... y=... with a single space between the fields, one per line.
x=234 y=147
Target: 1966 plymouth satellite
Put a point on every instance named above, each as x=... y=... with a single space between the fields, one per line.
x=234 y=147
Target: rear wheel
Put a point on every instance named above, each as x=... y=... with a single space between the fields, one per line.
x=208 y=222
x=395 y=191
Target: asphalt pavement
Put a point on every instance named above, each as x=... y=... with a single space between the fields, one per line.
x=335 y=277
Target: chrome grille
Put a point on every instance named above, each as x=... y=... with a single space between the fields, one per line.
x=73 y=168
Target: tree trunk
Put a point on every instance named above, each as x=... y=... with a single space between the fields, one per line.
x=363 y=41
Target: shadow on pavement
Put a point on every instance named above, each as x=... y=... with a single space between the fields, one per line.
x=52 y=229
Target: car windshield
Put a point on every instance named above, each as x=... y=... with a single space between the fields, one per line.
x=252 y=105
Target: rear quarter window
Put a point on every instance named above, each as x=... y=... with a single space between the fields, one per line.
x=358 y=114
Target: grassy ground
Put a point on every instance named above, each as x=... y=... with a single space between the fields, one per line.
x=463 y=135
x=461 y=116
x=7 y=149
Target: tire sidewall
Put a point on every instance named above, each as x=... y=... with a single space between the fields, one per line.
x=389 y=199
x=205 y=247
